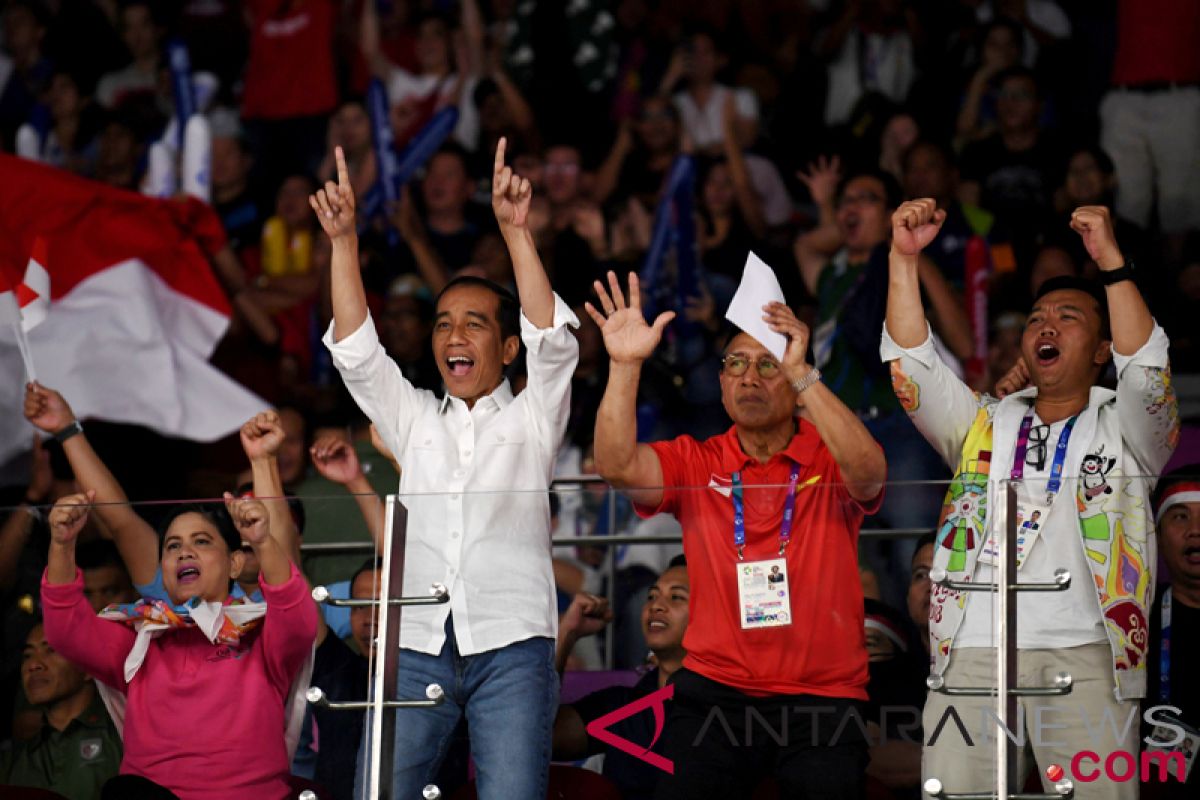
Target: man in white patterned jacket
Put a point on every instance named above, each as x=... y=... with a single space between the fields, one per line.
x=1082 y=454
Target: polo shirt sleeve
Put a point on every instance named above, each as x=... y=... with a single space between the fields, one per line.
x=289 y=628
x=673 y=457
x=854 y=508
x=97 y=646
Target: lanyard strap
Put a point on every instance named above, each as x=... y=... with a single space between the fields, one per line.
x=1060 y=454
x=1164 y=652
x=739 y=512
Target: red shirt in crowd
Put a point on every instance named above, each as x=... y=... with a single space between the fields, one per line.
x=1157 y=43
x=290 y=71
x=823 y=651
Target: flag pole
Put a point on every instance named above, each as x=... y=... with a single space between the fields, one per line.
x=18 y=324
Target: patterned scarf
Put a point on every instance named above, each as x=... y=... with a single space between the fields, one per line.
x=221 y=623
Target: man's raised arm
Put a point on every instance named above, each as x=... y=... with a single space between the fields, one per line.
x=914 y=225
x=620 y=460
x=511 y=196
x=334 y=205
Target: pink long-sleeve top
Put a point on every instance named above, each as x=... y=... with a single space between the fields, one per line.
x=203 y=720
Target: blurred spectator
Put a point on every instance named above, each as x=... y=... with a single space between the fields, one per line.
x=1175 y=619
x=870 y=53
x=119 y=150
x=1051 y=262
x=576 y=241
x=450 y=65
x=77 y=748
x=900 y=132
x=289 y=84
x=450 y=217
x=350 y=129
x=898 y=666
x=1000 y=50
x=1150 y=121
x=1042 y=22
x=142 y=32
x=929 y=171
x=1013 y=172
x=664 y=621
x=105 y=579
x=702 y=101
x=920 y=588
x=240 y=211
x=405 y=326
x=71 y=142
x=24 y=68
x=641 y=155
x=843 y=264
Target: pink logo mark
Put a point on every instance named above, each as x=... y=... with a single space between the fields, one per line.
x=599 y=728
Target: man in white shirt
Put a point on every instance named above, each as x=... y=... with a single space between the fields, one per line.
x=476 y=469
x=1079 y=455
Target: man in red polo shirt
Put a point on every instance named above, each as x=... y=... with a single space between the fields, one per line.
x=775 y=669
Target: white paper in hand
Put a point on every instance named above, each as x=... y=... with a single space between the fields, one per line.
x=759 y=286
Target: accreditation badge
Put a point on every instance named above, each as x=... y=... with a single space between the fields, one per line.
x=1187 y=747
x=764 y=596
x=1030 y=519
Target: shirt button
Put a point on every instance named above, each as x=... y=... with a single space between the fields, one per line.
x=429 y=441
x=450 y=570
x=453 y=497
x=454 y=535
x=499 y=438
x=466 y=453
x=458 y=473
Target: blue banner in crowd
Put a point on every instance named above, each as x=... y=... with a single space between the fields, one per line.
x=397 y=170
x=181 y=84
x=674 y=227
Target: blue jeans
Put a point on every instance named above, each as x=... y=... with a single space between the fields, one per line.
x=510 y=697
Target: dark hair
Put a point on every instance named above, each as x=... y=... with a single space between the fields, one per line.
x=454 y=150
x=1015 y=72
x=1188 y=472
x=893 y=195
x=98 y=553
x=1103 y=159
x=1012 y=26
x=370 y=565
x=508 y=313
x=942 y=149
x=678 y=561
x=1085 y=285
x=926 y=538
x=213 y=513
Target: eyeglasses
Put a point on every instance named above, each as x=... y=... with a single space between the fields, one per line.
x=1035 y=455
x=737 y=366
x=862 y=198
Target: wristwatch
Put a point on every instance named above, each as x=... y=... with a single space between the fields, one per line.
x=808 y=380
x=1121 y=273
x=74 y=428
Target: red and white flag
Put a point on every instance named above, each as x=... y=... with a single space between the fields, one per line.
x=130 y=310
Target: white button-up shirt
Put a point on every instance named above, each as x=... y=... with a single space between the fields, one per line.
x=476 y=485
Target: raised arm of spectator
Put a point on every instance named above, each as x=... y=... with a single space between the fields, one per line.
x=473 y=34
x=587 y=615
x=334 y=458
x=859 y=457
x=520 y=113
x=1129 y=316
x=609 y=174
x=947 y=312
x=511 y=196
x=252 y=520
x=15 y=532
x=620 y=460
x=370 y=44
x=813 y=248
x=967 y=127
x=407 y=221
x=67 y=519
x=334 y=205
x=136 y=540
x=261 y=438
x=747 y=199
x=914 y=225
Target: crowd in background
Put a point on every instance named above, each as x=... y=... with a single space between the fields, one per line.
x=807 y=122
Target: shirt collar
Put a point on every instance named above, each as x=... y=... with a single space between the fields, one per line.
x=500 y=397
x=800 y=450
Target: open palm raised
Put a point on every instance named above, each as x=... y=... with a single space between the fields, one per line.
x=627 y=336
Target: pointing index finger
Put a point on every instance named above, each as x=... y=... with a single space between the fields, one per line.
x=342 y=171
x=501 y=146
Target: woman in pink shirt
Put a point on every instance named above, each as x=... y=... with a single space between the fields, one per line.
x=204 y=710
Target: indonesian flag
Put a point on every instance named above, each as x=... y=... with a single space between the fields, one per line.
x=130 y=310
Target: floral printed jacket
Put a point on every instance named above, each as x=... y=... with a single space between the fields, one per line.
x=1121 y=442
